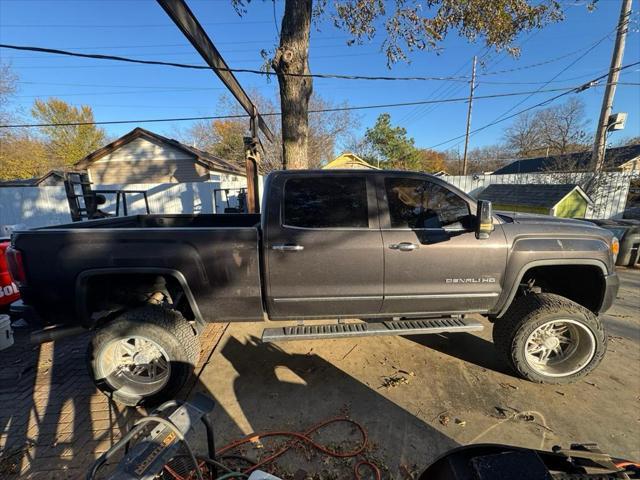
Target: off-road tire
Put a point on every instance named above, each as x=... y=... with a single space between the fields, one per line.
x=168 y=329
x=529 y=312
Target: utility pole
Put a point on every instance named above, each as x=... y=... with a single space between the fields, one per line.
x=600 y=142
x=466 y=137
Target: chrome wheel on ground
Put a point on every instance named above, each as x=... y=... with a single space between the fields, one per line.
x=134 y=365
x=560 y=348
x=547 y=338
x=144 y=356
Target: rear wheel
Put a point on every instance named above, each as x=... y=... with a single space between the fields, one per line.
x=550 y=339
x=144 y=356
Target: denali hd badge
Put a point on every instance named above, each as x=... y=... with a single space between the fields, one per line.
x=472 y=280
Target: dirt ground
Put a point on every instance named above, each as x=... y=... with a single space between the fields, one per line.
x=416 y=397
x=419 y=396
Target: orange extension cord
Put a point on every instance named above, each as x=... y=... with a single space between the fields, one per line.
x=305 y=438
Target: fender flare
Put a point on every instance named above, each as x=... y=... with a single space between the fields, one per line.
x=503 y=307
x=83 y=277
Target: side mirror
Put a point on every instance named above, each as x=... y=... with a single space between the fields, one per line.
x=484 y=219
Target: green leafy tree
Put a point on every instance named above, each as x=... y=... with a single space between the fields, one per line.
x=392 y=148
x=67 y=144
x=406 y=26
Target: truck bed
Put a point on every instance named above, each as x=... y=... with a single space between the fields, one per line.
x=216 y=256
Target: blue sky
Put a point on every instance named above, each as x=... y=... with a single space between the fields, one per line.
x=141 y=29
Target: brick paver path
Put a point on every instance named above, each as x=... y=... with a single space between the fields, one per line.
x=53 y=421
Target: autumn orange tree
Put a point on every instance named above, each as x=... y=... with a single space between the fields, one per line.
x=407 y=25
x=67 y=144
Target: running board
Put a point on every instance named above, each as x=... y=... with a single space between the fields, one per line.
x=394 y=327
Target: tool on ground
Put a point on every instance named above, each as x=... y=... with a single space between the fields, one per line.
x=159 y=448
x=494 y=462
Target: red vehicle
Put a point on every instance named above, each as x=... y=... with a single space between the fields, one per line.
x=8 y=289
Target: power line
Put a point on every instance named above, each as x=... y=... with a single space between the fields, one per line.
x=205 y=67
x=584 y=54
x=587 y=85
x=119 y=25
x=564 y=91
x=262 y=72
x=324 y=110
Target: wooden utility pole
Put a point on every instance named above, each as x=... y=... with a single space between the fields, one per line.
x=466 y=137
x=187 y=22
x=600 y=142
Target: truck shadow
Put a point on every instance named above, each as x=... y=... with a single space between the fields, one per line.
x=275 y=389
x=464 y=346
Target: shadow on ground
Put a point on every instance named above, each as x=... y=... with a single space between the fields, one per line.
x=54 y=423
x=261 y=387
x=466 y=347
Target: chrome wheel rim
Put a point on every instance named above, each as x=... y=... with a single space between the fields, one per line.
x=560 y=348
x=134 y=366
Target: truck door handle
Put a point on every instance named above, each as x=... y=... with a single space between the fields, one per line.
x=287 y=248
x=403 y=246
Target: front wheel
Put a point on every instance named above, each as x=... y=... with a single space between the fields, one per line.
x=547 y=338
x=144 y=356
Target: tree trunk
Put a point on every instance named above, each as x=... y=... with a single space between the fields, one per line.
x=292 y=57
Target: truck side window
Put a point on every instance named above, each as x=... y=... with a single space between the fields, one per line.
x=415 y=203
x=334 y=202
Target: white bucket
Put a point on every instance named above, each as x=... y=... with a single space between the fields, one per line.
x=6 y=333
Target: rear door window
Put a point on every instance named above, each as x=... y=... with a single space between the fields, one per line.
x=326 y=202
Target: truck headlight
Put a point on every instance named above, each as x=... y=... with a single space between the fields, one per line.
x=615 y=248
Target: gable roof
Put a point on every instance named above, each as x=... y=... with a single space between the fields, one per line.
x=614 y=158
x=34 y=181
x=206 y=159
x=349 y=160
x=530 y=194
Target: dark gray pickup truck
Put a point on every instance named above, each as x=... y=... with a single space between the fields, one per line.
x=406 y=252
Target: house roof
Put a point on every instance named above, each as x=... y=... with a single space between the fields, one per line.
x=33 y=181
x=530 y=194
x=349 y=160
x=614 y=158
x=204 y=158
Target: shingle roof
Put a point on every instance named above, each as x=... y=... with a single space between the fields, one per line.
x=208 y=160
x=32 y=182
x=528 y=194
x=614 y=157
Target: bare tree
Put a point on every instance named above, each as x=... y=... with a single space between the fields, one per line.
x=556 y=130
x=328 y=131
x=8 y=81
x=488 y=158
x=562 y=127
x=523 y=137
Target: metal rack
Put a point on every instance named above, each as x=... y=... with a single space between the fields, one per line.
x=84 y=201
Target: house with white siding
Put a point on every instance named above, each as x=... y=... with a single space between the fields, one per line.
x=142 y=156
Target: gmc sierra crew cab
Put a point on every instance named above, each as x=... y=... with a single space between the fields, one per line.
x=401 y=252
